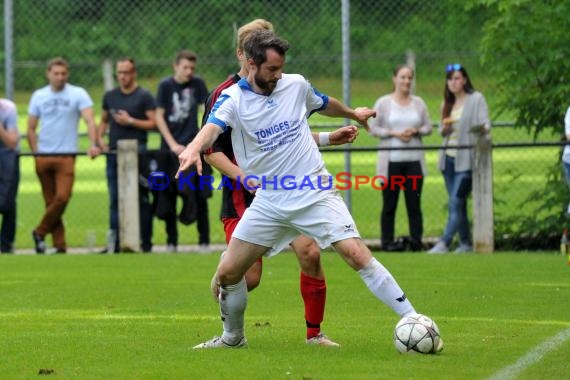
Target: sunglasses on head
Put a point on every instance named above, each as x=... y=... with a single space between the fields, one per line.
x=453 y=67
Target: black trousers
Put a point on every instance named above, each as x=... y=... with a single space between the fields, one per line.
x=399 y=179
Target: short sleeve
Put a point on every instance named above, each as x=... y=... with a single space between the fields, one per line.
x=316 y=101
x=84 y=100
x=162 y=94
x=222 y=113
x=34 y=107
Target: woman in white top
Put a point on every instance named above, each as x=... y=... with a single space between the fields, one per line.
x=464 y=117
x=401 y=121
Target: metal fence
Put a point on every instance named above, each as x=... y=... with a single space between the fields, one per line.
x=381 y=35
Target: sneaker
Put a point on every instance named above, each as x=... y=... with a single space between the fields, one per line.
x=322 y=340
x=60 y=251
x=171 y=248
x=464 y=248
x=218 y=342
x=440 y=247
x=39 y=243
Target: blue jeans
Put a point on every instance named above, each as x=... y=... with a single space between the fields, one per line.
x=145 y=205
x=458 y=185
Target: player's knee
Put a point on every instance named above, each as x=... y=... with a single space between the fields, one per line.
x=355 y=253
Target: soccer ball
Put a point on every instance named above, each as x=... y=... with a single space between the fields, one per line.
x=417 y=333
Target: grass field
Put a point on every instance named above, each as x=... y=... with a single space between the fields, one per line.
x=137 y=317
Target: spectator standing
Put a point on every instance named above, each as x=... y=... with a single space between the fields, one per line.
x=178 y=98
x=129 y=112
x=402 y=119
x=57 y=108
x=9 y=173
x=566 y=153
x=464 y=118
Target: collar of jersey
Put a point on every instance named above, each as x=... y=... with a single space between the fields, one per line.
x=244 y=84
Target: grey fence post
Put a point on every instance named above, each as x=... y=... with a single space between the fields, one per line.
x=128 y=185
x=483 y=221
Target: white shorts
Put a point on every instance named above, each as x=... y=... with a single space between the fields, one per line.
x=269 y=225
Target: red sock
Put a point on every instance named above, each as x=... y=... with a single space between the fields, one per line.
x=314 y=293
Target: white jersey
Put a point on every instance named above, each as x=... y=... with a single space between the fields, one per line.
x=270 y=134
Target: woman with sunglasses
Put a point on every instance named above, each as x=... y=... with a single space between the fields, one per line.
x=402 y=119
x=464 y=118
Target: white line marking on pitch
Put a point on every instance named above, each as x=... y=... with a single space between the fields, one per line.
x=533 y=356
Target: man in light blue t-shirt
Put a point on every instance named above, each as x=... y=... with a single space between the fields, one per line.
x=59 y=106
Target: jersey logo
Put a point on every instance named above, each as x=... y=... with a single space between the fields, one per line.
x=348 y=228
x=271 y=103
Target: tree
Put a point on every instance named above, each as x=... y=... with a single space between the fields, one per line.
x=525 y=48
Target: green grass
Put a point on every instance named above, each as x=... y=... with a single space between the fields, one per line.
x=137 y=317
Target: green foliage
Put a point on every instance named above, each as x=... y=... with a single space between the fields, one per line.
x=525 y=47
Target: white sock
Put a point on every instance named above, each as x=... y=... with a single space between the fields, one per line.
x=385 y=288
x=233 y=300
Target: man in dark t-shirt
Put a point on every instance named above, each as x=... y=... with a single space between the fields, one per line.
x=178 y=98
x=128 y=112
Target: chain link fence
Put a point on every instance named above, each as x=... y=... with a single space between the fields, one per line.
x=430 y=34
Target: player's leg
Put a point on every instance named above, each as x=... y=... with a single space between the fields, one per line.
x=376 y=277
x=255 y=233
x=252 y=276
x=330 y=222
x=239 y=257
x=313 y=288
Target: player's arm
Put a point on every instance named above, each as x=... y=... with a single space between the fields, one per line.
x=32 y=134
x=9 y=137
x=123 y=118
x=102 y=129
x=9 y=130
x=165 y=132
x=191 y=154
x=337 y=109
x=343 y=135
x=89 y=118
x=221 y=162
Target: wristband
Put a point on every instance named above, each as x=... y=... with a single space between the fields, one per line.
x=324 y=138
x=131 y=121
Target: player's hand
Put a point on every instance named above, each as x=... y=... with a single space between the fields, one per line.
x=362 y=114
x=344 y=135
x=177 y=149
x=189 y=157
x=93 y=151
x=447 y=126
x=122 y=117
x=103 y=146
x=251 y=185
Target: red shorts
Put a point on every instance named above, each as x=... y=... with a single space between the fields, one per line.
x=229 y=227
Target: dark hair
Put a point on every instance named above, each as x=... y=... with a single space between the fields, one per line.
x=185 y=54
x=128 y=59
x=256 y=44
x=448 y=97
x=403 y=66
x=57 y=61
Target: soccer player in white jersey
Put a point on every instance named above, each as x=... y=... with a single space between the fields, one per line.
x=267 y=112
